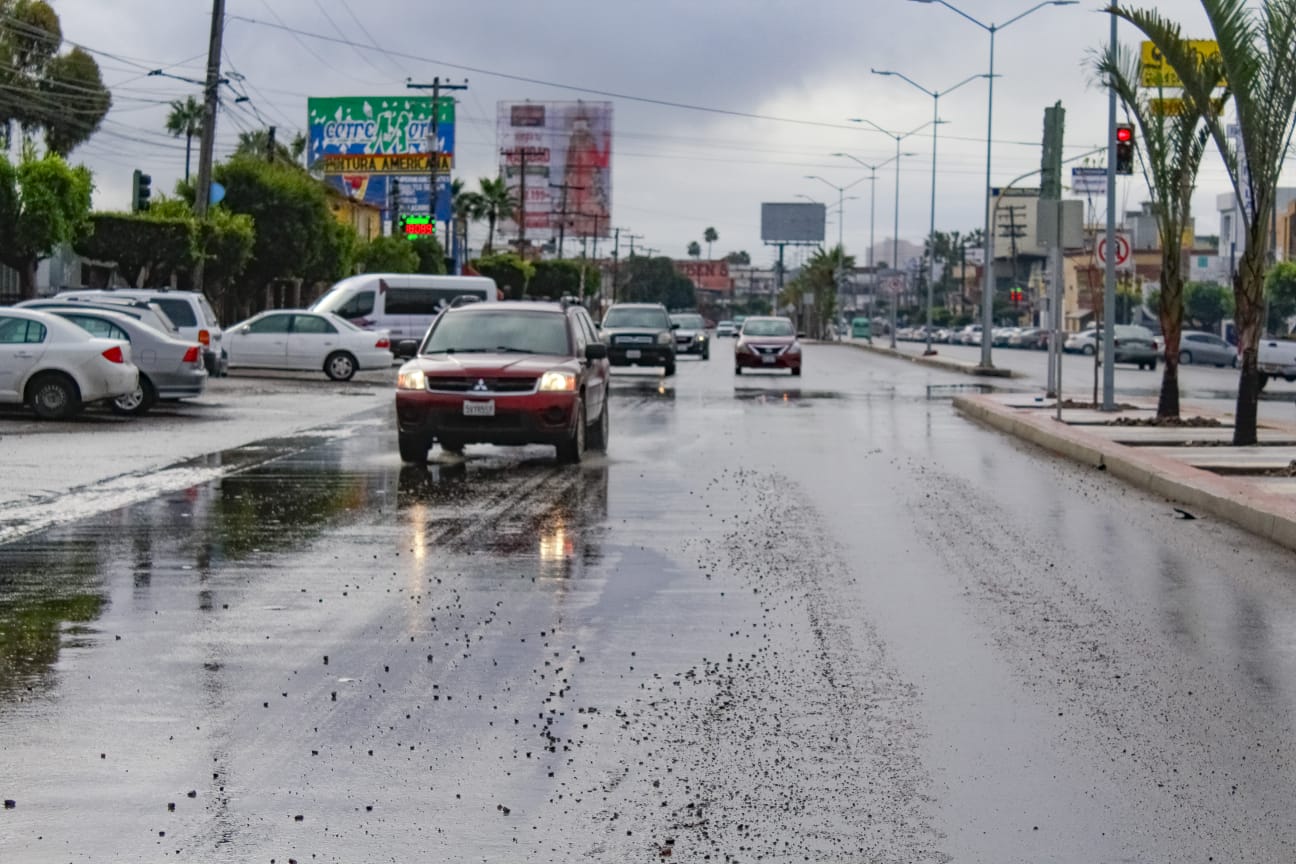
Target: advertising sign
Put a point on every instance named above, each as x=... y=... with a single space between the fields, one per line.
x=562 y=153
x=793 y=223
x=399 y=127
x=1089 y=181
x=1155 y=72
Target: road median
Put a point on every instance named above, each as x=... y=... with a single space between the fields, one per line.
x=936 y=361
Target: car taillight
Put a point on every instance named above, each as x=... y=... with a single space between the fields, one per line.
x=114 y=355
x=192 y=355
x=384 y=342
x=204 y=337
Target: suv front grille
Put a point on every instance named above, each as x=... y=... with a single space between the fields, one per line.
x=477 y=384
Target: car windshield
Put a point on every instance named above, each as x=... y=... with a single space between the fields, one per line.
x=497 y=330
x=767 y=328
x=623 y=316
x=688 y=322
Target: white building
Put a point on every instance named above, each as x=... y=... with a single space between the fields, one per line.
x=1232 y=231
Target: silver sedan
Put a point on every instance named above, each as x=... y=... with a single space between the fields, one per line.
x=169 y=367
x=1205 y=349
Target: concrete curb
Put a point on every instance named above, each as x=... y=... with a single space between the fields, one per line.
x=936 y=362
x=1231 y=499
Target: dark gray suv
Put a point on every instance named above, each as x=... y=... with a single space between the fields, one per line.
x=640 y=334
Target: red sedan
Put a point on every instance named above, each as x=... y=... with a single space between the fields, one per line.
x=504 y=373
x=767 y=343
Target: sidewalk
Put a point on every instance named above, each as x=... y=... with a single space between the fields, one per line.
x=1252 y=487
x=936 y=361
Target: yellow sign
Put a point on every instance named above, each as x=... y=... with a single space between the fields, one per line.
x=384 y=163
x=1156 y=72
x=1175 y=107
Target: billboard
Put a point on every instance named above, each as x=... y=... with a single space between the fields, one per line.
x=793 y=223
x=562 y=153
x=394 y=131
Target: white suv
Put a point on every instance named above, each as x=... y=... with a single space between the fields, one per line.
x=189 y=310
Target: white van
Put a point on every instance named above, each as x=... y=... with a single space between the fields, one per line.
x=403 y=304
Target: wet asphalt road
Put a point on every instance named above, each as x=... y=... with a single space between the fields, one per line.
x=822 y=619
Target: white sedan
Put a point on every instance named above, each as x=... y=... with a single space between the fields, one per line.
x=57 y=367
x=312 y=341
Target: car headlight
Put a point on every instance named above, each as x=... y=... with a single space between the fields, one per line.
x=665 y=338
x=554 y=381
x=701 y=337
x=794 y=348
x=411 y=379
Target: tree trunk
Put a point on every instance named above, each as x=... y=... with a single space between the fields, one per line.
x=188 y=148
x=1248 y=295
x=27 y=279
x=1171 y=315
x=490 y=242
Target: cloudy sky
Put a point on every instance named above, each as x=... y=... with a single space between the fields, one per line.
x=805 y=66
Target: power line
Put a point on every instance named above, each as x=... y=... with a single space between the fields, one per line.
x=362 y=55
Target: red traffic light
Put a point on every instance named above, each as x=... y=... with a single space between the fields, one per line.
x=1124 y=134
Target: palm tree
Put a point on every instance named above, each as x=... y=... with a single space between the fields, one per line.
x=710 y=236
x=257 y=143
x=467 y=208
x=1173 y=145
x=497 y=203
x=185 y=119
x=1256 y=56
x=298 y=146
x=694 y=249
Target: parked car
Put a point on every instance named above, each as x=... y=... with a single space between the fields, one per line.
x=308 y=341
x=640 y=334
x=970 y=335
x=403 y=304
x=1030 y=338
x=144 y=311
x=1132 y=344
x=188 y=310
x=1085 y=342
x=507 y=373
x=1205 y=349
x=169 y=367
x=767 y=343
x=999 y=336
x=691 y=337
x=56 y=367
x=726 y=328
x=1277 y=359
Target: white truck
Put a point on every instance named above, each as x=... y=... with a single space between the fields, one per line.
x=1277 y=359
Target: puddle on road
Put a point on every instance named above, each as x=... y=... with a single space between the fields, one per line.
x=782 y=396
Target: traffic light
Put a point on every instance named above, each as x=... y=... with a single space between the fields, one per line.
x=1016 y=296
x=1124 y=149
x=140 y=191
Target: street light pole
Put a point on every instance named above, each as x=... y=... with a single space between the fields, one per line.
x=931 y=230
x=873 y=169
x=987 y=291
x=841 y=219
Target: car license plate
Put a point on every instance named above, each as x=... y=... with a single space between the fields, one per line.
x=768 y=359
x=634 y=354
x=479 y=409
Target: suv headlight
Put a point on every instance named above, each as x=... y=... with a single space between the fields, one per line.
x=554 y=381
x=666 y=338
x=411 y=379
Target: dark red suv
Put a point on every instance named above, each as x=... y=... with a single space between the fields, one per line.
x=505 y=373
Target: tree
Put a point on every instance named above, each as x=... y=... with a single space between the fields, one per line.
x=1280 y=294
x=694 y=249
x=818 y=280
x=146 y=247
x=1255 y=58
x=61 y=94
x=388 y=255
x=431 y=255
x=256 y=144
x=710 y=235
x=467 y=207
x=1207 y=304
x=185 y=119
x=510 y=272
x=1173 y=146
x=740 y=258
x=43 y=203
x=495 y=203
x=555 y=279
x=298 y=148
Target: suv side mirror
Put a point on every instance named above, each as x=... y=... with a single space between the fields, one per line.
x=674 y=326
x=406 y=348
x=596 y=351
x=801 y=336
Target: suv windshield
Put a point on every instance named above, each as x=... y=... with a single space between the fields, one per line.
x=688 y=322
x=628 y=317
x=767 y=328
x=492 y=330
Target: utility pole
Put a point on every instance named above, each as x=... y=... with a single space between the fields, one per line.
x=520 y=153
x=616 y=249
x=562 y=214
x=434 y=142
x=208 y=143
x=1109 y=284
x=632 y=238
x=270 y=144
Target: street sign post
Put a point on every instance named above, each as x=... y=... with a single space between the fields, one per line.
x=1122 y=250
x=1089 y=181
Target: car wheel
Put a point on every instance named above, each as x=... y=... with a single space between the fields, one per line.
x=669 y=369
x=139 y=402
x=413 y=447
x=1264 y=379
x=1087 y=350
x=737 y=370
x=452 y=446
x=1185 y=358
x=597 y=438
x=706 y=353
x=340 y=366
x=54 y=396
x=571 y=450
x=1152 y=366
x=796 y=372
